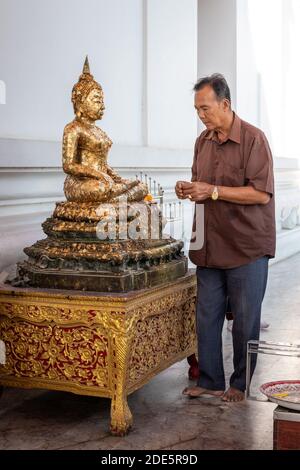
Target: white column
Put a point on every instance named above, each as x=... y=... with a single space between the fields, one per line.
x=2 y=92
x=171 y=72
x=217 y=41
x=249 y=86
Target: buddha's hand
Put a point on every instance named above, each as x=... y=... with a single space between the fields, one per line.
x=130 y=183
x=105 y=180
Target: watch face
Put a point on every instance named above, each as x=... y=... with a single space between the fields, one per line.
x=214 y=195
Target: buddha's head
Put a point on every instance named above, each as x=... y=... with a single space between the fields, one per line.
x=87 y=96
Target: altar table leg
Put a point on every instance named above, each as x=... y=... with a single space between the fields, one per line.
x=121 y=417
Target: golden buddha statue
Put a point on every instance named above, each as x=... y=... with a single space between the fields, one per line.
x=74 y=256
x=85 y=150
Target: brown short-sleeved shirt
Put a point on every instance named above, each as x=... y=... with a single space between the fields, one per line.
x=235 y=234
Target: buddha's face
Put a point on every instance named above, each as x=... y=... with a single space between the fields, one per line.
x=93 y=106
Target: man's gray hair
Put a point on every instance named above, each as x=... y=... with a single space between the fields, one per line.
x=217 y=83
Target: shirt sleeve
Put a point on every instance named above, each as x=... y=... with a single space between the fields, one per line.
x=259 y=169
x=194 y=166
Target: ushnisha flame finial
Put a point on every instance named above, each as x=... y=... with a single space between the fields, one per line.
x=86 y=66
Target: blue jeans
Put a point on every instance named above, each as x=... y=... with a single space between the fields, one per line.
x=245 y=286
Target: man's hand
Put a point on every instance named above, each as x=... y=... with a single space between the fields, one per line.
x=197 y=191
x=179 y=189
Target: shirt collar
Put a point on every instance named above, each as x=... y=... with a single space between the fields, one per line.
x=234 y=134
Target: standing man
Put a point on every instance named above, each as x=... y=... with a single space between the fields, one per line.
x=232 y=175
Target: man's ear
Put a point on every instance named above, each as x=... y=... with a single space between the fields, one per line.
x=225 y=105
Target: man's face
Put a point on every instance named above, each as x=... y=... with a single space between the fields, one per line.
x=210 y=111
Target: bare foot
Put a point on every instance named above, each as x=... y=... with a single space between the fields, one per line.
x=196 y=392
x=233 y=394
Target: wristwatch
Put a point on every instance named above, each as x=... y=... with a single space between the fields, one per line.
x=215 y=194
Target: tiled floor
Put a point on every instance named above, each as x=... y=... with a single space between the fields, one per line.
x=163 y=418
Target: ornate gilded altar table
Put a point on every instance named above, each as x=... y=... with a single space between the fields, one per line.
x=106 y=345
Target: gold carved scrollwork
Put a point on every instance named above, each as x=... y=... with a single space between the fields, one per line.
x=161 y=336
x=160 y=305
x=58 y=353
x=60 y=314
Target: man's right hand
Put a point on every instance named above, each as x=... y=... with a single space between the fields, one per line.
x=179 y=189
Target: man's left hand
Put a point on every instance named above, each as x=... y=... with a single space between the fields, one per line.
x=197 y=191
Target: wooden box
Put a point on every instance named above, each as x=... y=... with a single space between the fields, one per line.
x=286 y=434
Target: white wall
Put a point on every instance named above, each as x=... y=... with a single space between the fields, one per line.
x=171 y=72
x=42 y=48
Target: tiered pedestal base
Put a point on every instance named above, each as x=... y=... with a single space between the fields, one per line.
x=106 y=345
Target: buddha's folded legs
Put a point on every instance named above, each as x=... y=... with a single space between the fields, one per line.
x=88 y=189
x=101 y=190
